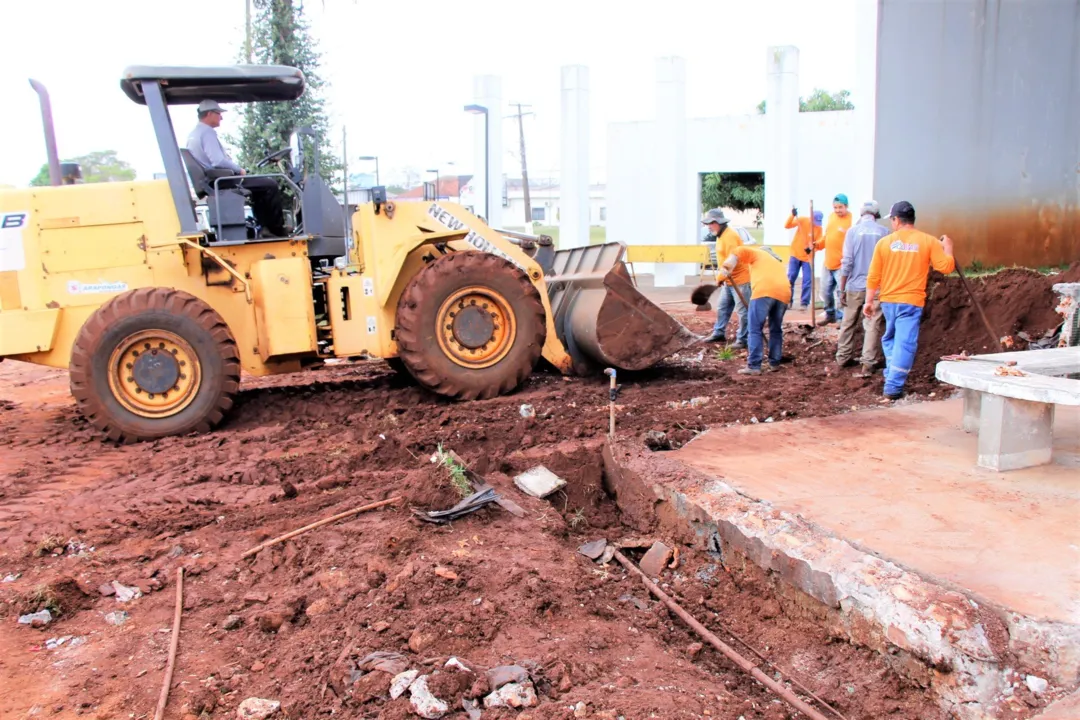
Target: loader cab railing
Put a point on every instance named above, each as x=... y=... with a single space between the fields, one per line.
x=319 y=217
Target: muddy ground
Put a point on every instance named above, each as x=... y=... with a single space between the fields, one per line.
x=77 y=513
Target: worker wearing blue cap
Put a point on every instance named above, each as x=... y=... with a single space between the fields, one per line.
x=808 y=233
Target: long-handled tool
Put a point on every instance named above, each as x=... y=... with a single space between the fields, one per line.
x=978 y=306
x=813 y=273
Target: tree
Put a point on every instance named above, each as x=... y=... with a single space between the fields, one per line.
x=738 y=191
x=820 y=101
x=280 y=36
x=99 y=166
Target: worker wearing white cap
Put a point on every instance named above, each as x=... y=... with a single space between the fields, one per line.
x=859 y=243
x=205 y=146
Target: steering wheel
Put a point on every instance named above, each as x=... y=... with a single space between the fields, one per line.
x=274 y=157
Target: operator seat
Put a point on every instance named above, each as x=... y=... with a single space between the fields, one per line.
x=227 y=207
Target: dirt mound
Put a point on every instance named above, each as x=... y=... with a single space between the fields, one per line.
x=1015 y=300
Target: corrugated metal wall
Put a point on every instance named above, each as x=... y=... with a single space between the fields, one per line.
x=978 y=124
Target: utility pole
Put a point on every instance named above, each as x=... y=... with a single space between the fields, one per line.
x=524 y=166
x=247 y=31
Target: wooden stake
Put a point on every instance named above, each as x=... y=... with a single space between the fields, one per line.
x=320 y=523
x=813 y=271
x=163 y=699
x=610 y=372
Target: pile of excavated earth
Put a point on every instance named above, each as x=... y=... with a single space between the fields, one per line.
x=383 y=615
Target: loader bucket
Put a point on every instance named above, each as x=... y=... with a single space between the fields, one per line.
x=602 y=319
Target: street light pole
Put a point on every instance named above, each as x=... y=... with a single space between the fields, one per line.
x=480 y=109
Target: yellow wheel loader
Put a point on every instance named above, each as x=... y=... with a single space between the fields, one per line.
x=156 y=314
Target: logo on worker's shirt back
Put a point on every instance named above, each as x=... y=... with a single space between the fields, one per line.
x=901 y=246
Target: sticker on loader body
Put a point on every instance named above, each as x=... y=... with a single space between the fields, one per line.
x=74 y=287
x=12 y=256
x=371 y=325
x=369 y=287
x=474 y=238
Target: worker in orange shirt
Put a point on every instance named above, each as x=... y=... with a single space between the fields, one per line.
x=769 y=295
x=898 y=273
x=835 y=231
x=808 y=231
x=726 y=242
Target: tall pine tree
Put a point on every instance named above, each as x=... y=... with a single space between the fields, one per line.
x=280 y=35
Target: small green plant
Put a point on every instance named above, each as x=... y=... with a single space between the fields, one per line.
x=724 y=354
x=578 y=518
x=458 y=478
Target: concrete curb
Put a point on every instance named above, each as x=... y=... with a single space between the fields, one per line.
x=972 y=656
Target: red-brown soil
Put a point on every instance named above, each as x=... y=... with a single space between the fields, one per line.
x=354 y=433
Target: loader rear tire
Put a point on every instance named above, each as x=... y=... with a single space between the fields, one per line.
x=470 y=325
x=154 y=362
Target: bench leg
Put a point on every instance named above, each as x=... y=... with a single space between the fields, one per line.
x=1014 y=434
x=972 y=409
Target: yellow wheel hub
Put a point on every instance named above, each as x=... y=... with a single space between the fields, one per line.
x=476 y=327
x=154 y=373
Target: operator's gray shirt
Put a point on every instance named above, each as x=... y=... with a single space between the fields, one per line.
x=859 y=244
x=205 y=147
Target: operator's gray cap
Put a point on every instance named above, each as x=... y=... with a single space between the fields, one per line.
x=716 y=215
x=210 y=105
x=870 y=207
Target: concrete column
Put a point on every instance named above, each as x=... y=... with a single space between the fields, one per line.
x=487 y=92
x=1014 y=434
x=673 y=222
x=864 y=97
x=972 y=409
x=574 y=173
x=781 y=165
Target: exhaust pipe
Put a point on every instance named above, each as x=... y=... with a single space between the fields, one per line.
x=55 y=177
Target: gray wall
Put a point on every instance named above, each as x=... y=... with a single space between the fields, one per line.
x=978 y=124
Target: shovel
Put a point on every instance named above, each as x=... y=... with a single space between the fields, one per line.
x=982 y=315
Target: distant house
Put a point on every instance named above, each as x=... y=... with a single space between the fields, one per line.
x=449 y=189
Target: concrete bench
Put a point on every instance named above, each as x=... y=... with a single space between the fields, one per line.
x=1014 y=415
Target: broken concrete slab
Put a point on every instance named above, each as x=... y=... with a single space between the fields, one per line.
x=656 y=559
x=965 y=650
x=594 y=549
x=539 y=482
x=504 y=674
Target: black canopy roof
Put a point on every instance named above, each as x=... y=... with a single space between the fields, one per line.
x=184 y=85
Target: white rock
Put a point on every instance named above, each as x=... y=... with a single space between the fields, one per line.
x=257 y=709
x=512 y=695
x=539 y=481
x=38 y=619
x=527 y=411
x=454 y=662
x=1036 y=684
x=126 y=594
x=423 y=702
x=581 y=710
x=117 y=617
x=401 y=683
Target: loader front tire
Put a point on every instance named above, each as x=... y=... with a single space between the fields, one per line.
x=470 y=325
x=154 y=362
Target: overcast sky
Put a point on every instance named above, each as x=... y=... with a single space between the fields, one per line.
x=400 y=73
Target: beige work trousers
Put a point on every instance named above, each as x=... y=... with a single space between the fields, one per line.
x=873 y=329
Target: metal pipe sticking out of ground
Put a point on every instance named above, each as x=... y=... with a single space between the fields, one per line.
x=786 y=694
x=613 y=393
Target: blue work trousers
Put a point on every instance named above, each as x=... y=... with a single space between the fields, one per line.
x=830 y=281
x=729 y=301
x=794 y=266
x=772 y=311
x=900 y=341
